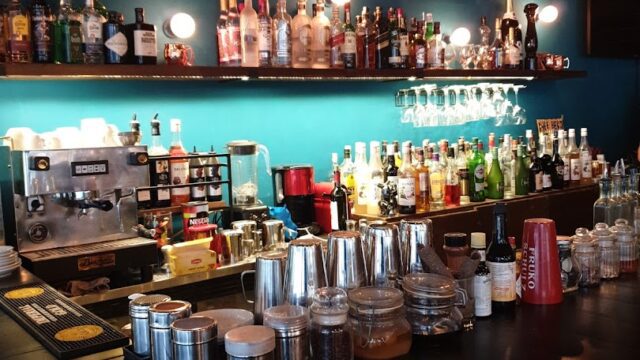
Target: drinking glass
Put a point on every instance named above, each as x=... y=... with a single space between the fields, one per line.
x=449 y=55
x=466 y=56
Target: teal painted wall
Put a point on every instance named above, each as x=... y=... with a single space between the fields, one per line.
x=305 y=122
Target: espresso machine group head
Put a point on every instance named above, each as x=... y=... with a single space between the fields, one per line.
x=70 y=213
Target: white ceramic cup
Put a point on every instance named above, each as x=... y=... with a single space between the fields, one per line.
x=94 y=132
x=69 y=137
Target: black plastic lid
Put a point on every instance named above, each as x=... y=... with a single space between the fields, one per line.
x=455 y=239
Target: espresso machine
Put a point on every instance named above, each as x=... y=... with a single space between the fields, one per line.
x=70 y=213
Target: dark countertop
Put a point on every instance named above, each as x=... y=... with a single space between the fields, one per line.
x=590 y=324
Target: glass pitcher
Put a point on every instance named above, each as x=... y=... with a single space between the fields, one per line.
x=244 y=170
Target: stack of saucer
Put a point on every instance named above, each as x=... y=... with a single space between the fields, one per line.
x=9 y=261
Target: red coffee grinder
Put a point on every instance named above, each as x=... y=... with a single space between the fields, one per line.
x=293 y=186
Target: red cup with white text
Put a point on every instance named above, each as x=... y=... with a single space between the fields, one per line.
x=540 y=273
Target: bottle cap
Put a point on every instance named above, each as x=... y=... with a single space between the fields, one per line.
x=478 y=240
x=600 y=158
x=175 y=125
x=560 y=134
x=455 y=239
x=429 y=17
x=347 y=147
x=361 y=146
x=572 y=132
x=583 y=132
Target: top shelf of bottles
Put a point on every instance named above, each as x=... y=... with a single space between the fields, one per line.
x=212 y=73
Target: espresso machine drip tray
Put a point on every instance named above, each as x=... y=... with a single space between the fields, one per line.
x=93 y=260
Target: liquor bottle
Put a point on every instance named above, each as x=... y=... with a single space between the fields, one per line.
x=452 y=181
x=383 y=154
x=159 y=169
x=391 y=170
x=3 y=35
x=321 y=33
x=531 y=146
x=234 y=41
x=531 y=39
x=405 y=40
x=422 y=196
x=482 y=278
x=488 y=157
x=223 y=36
x=116 y=45
x=522 y=172
x=339 y=205
x=585 y=158
x=362 y=176
x=558 y=164
x=603 y=207
x=495 y=180
x=507 y=163
x=249 y=35
x=92 y=35
x=398 y=155
x=143 y=40
x=346 y=173
x=497 y=48
x=418 y=54
x=436 y=183
x=407 y=186
x=512 y=52
x=574 y=158
x=212 y=173
x=476 y=166
x=301 y=37
x=350 y=46
x=42 y=31
x=485 y=32
x=18 y=33
x=337 y=39
x=510 y=21
x=197 y=175
x=395 y=38
x=435 y=49
x=67 y=36
x=546 y=161
x=366 y=58
x=376 y=177
x=564 y=155
x=265 y=40
x=535 y=172
x=382 y=39
x=179 y=169
x=502 y=264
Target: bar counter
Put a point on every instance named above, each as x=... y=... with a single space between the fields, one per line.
x=590 y=324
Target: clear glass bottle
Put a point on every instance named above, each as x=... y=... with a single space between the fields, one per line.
x=346 y=172
x=574 y=158
x=407 y=187
x=362 y=177
x=179 y=168
x=422 y=196
x=627 y=197
x=604 y=206
x=608 y=250
x=282 y=37
x=497 y=48
x=337 y=39
x=366 y=38
x=42 y=31
x=330 y=334
x=506 y=165
x=377 y=177
x=586 y=158
x=436 y=183
x=564 y=155
x=249 y=35
x=92 y=35
x=586 y=253
x=301 y=37
x=435 y=49
x=621 y=207
x=234 y=41
x=265 y=37
x=320 y=46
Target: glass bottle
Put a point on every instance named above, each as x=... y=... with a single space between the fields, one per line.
x=321 y=34
x=564 y=155
x=282 y=37
x=558 y=164
x=586 y=158
x=510 y=21
x=418 y=55
x=495 y=180
x=512 y=52
x=92 y=35
x=337 y=39
x=482 y=277
x=116 y=45
x=603 y=207
x=249 y=35
x=621 y=207
x=405 y=40
x=223 y=37
x=452 y=181
x=145 y=50
x=546 y=162
x=407 y=187
x=301 y=37
x=42 y=31
x=362 y=176
x=330 y=334
x=179 y=168
x=456 y=250
x=265 y=39
x=574 y=158
x=391 y=170
x=18 y=33
x=159 y=169
x=535 y=172
x=522 y=173
x=497 y=48
x=627 y=245
x=396 y=149
x=346 y=173
x=502 y=264
x=67 y=30
x=234 y=41
x=377 y=177
x=422 y=196
x=488 y=157
x=435 y=49
x=339 y=204
x=213 y=173
x=395 y=37
x=366 y=58
x=476 y=166
x=531 y=39
x=485 y=32
x=382 y=39
x=506 y=165
x=349 y=49
x=197 y=175
x=3 y=35
x=436 y=183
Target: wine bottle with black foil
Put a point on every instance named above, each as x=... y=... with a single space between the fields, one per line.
x=502 y=264
x=558 y=180
x=42 y=31
x=116 y=45
x=339 y=204
x=143 y=38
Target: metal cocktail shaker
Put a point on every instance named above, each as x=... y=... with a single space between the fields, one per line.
x=305 y=272
x=346 y=261
x=385 y=266
x=269 y=278
x=273 y=234
x=412 y=234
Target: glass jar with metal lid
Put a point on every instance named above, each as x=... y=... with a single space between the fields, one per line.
x=253 y=342
x=569 y=267
x=608 y=251
x=194 y=338
x=290 y=322
x=139 y=314
x=627 y=245
x=377 y=317
x=161 y=316
x=330 y=332
x=430 y=301
x=227 y=319
x=586 y=254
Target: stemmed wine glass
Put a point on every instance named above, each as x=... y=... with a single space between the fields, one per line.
x=519 y=113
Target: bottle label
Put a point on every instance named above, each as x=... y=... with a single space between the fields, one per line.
x=406 y=191
x=382 y=41
x=213 y=174
x=179 y=176
x=576 y=170
x=404 y=45
x=337 y=40
x=19 y=27
x=503 y=281
x=162 y=178
x=264 y=37
x=393 y=180
x=478 y=174
x=42 y=36
x=144 y=195
x=144 y=43
x=560 y=171
x=423 y=181
x=567 y=169
x=75 y=39
x=432 y=53
x=93 y=31
x=546 y=181
x=118 y=44
x=334 y=216
x=196 y=175
x=223 y=47
x=539 y=182
x=482 y=292
x=421 y=55
x=350 y=40
x=283 y=43
x=585 y=159
x=304 y=34
x=363 y=193
x=233 y=43
x=436 y=187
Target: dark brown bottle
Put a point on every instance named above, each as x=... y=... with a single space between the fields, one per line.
x=502 y=264
x=143 y=39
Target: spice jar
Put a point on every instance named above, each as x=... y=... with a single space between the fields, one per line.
x=586 y=253
x=627 y=246
x=330 y=333
x=456 y=249
x=377 y=317
x=290 y=323
x=139 y=313
x=227 y=319
x=253 y=342
x=194 y=338
x=161 y=316
x=569 y=267
x=608 y=251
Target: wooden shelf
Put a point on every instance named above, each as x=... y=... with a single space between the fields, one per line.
x=216 y=205
x=212 y=73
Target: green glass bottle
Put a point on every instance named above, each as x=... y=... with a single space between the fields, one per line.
x=522 y=172
x=476 y=167
x=495 y=179
x=67 y=36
